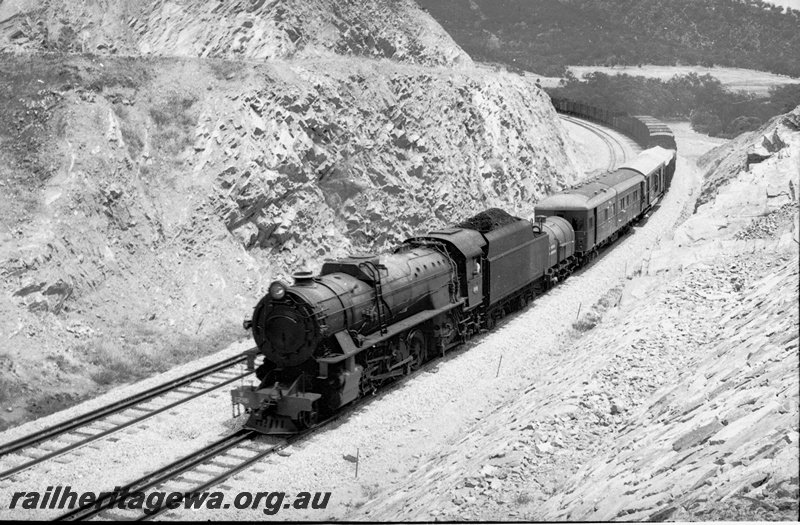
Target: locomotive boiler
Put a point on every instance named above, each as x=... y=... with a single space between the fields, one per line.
x=366 y=320
x=310 y=333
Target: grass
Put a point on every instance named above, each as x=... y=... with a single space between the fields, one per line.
x=126 y=354
x=143 y=351
x=523 y=498
x=129 y=131
x=369 y=492
x=64 y=364
x=175 y=118
x=593 y=317
x=225 y=69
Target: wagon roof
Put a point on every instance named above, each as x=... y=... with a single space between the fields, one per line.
x=650 y=160
x=585 y=197
x=622 y=179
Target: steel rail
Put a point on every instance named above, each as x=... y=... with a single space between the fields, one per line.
x=115 y=408
x=606 y=137
x=166 y=473
x=218 y=448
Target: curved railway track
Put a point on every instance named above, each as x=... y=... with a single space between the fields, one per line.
x=618 y=151
x=86 y=428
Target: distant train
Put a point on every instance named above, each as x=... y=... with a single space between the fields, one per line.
x=367 y=320
x=647 y=131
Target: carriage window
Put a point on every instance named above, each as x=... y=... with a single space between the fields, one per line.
x=605 y=214
x=591 y=222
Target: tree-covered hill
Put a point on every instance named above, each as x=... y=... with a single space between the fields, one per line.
x=703 y=100
x=546 y=35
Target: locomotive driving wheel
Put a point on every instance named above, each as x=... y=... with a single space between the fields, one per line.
x=417 y=348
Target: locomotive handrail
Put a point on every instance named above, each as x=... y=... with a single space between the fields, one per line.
x=379 y=301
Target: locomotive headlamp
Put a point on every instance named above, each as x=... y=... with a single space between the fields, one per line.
x=277 y=290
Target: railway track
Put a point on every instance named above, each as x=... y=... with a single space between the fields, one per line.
x=228 y=456
x=239 y=448
x=617 y=150
x=84 y=429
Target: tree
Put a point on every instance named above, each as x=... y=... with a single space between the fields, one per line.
x=704 y=121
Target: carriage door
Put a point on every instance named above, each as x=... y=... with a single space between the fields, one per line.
x=642 y=196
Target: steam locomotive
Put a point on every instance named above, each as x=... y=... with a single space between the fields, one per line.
x=367 y=320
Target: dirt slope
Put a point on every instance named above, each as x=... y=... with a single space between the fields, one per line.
x=147 y=202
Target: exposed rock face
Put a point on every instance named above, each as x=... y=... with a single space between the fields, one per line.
x=721 y=443
x=747 y=149
x=232 y=29
x=327 y=162
x=164 y=194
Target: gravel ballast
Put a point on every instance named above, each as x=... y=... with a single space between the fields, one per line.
x=391 y=436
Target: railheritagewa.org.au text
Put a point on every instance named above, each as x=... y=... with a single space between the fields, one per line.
x=269 y=503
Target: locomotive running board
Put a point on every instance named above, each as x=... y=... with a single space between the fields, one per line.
x=350 y=349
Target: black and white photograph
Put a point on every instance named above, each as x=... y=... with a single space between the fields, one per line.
x=400 y=261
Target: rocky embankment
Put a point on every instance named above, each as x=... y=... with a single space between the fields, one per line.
x=680 y=404
x=152 y=198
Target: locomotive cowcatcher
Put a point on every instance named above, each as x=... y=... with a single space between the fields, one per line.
x=366 y=320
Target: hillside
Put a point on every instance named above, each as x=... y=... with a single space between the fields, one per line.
x=703 y=100
x=674 y=398
x=545 y=36
x=232 y=29
x=148 y=200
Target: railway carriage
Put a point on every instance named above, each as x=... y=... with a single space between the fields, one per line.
x=629 y=188
x=601 y=210
x=366 y=320
x=656 y=165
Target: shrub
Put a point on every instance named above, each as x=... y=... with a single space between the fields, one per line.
x=175 y=118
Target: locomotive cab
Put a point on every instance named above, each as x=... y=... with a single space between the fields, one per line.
x=465 y=248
